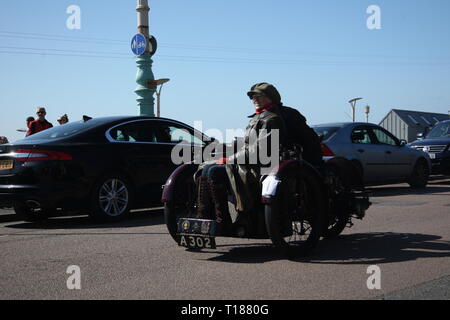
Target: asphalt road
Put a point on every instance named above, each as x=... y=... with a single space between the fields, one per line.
x=406 y=235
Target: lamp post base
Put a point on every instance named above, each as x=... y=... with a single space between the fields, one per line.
x=145 y=100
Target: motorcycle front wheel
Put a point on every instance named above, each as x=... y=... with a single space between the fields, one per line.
x=294 y=217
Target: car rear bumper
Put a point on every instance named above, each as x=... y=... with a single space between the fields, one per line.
x=12 y=193
x=6 y=200
x=44 y=195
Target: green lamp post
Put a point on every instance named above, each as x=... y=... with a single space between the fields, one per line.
x=144 y=77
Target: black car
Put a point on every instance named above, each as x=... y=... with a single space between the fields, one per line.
x=105 y=166
x=437 y=144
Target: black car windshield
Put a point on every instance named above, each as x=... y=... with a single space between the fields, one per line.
x=442 y=130
x=65 y=130
x=326 y=132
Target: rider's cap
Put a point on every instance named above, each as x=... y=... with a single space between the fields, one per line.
x=267 y=89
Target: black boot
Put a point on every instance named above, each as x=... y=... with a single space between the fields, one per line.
x=219 y=194
x=204 y=201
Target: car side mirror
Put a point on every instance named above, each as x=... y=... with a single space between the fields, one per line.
x=403 y=143
x=420 y=136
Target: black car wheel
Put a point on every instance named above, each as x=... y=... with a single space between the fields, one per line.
x=29 y=214
x=111 y=198
x=420 y=174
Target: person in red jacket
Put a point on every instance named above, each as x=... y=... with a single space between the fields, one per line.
x=40 y=124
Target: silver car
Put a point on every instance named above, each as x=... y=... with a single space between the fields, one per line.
x=379 y=155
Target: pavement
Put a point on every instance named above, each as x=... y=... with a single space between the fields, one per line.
x=405 y=234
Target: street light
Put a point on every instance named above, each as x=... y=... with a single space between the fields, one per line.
x=353 y=104
x=153 y=84
x=158 y=94
x=367 y=113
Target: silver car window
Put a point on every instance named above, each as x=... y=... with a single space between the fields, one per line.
x=135 y=132
x=175 y=134
x=326 y=132
x=361 y=136
x=155 y=131
x=384 y=137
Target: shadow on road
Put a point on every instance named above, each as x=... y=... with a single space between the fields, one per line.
x=249 y=253
x=137 y=219
x=364 y=248
x=377 y=248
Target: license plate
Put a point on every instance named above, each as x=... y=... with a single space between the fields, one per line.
x=432 y=155
x=197 y=242
x=6 y=164
x=196 y=233
x=201 y=227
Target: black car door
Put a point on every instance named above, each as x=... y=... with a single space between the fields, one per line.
x=149 y=155
x=148 y=152
x=186 y=145
x=146 y=160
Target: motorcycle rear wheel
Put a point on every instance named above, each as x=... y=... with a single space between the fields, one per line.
x=346 y=177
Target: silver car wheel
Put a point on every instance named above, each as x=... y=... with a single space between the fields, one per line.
x=113 y=197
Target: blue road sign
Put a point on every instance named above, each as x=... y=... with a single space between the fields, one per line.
x=138 y=44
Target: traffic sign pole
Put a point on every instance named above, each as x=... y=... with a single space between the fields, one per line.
x=145 y=99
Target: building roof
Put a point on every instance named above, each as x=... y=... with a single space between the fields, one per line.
x=418 y=118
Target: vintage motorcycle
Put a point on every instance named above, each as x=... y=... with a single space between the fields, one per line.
x=299 y=204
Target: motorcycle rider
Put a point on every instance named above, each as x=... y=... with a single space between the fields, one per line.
x=270 y=118
x=297 y=130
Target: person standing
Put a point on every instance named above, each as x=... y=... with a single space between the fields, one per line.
x=63 y=119
x=29 y=120
x=40 y=124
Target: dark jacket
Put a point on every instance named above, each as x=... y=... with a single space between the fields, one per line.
x=299 y=132
x=243 y=172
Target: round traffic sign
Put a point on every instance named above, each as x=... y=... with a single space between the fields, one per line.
x=138 y=44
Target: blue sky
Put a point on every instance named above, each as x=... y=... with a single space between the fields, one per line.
x=319 y=54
